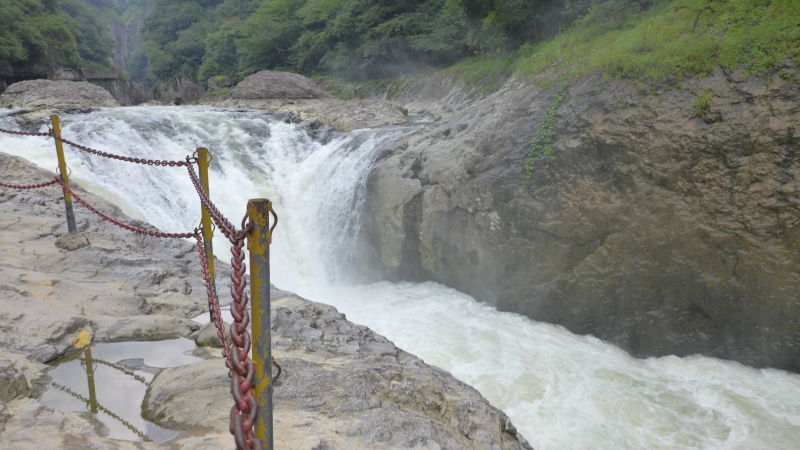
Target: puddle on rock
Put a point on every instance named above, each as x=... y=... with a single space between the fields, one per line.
x=113 y=385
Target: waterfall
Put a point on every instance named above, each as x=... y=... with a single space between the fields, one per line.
x=561 y=390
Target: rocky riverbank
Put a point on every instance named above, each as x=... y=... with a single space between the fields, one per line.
x=289 y=92
x=266 y=90
x=665 y=221
x=343 y=385
x=661 y=219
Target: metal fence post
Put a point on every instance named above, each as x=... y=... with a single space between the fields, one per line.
x=258 y=241
x=62 y=168
x=208 y=234
x=89 y=362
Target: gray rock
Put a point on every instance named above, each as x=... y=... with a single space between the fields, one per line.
x=272 y=84
x=179 y=91
x=649 y=228
x=52 y=95
x=72 y=241
x=145 y=327
x=28 y=425
x=12 y=382
x=344 y=115
x=343 y=386
x=207 y=335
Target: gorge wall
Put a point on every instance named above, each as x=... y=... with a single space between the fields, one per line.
x=664 y=223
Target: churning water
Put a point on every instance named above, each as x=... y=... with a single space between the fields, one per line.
x=562 y=391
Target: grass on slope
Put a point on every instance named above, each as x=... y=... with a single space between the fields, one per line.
x=675 y=39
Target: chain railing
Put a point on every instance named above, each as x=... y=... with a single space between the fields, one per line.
x=95 y=405
x=30 y=186
x=241 y=370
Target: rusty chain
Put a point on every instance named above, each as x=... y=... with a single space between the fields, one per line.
x=51 y=133
x=24 y=133
x=149 y=162
x=222 y=223
x=120 y=224
x=30 y=186
x=214 y=309
x=130 y=373
x=102 y=408
x=213 y=300
x=241 y=369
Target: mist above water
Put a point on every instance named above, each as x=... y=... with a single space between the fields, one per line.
x=561 y=390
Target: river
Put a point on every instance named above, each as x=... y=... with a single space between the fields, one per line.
x=561 y=390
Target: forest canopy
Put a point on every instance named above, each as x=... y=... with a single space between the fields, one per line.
x=53 y=33
x=354 y=39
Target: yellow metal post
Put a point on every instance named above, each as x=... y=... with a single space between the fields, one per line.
x=258 y=241
x=62 y=168
x=208 y=234
x=89 y=361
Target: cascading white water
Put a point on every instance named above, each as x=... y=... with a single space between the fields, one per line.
x=561 y=390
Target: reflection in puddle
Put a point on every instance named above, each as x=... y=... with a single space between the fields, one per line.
x=110 y=380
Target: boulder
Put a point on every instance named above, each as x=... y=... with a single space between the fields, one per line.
x=269 y=84
x=54 y=95
x=207 y=335
x=72 y=241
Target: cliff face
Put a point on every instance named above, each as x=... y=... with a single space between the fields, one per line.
x=652 y=227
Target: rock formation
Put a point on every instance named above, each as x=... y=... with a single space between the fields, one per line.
x=658 y=225
x=343 y=385
x=47 y=94
x=290 y=92
x=272 y=84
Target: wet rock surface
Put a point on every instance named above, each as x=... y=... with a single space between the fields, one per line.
x=343 y=387
x=654 y=228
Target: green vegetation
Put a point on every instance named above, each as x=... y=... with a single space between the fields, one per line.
x=542 y=142
x=379 y=42
x=484 y=74
x=52 y=33
x=673 y=39
x=350 y=39
x=703 y=103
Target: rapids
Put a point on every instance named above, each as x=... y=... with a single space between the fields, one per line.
x=561 y=390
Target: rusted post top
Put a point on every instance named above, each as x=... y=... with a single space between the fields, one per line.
x=258 y=240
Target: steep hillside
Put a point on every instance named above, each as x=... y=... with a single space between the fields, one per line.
x=68 y=39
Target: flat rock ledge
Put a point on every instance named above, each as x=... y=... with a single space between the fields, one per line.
x=343 y=387
x=344 y=115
